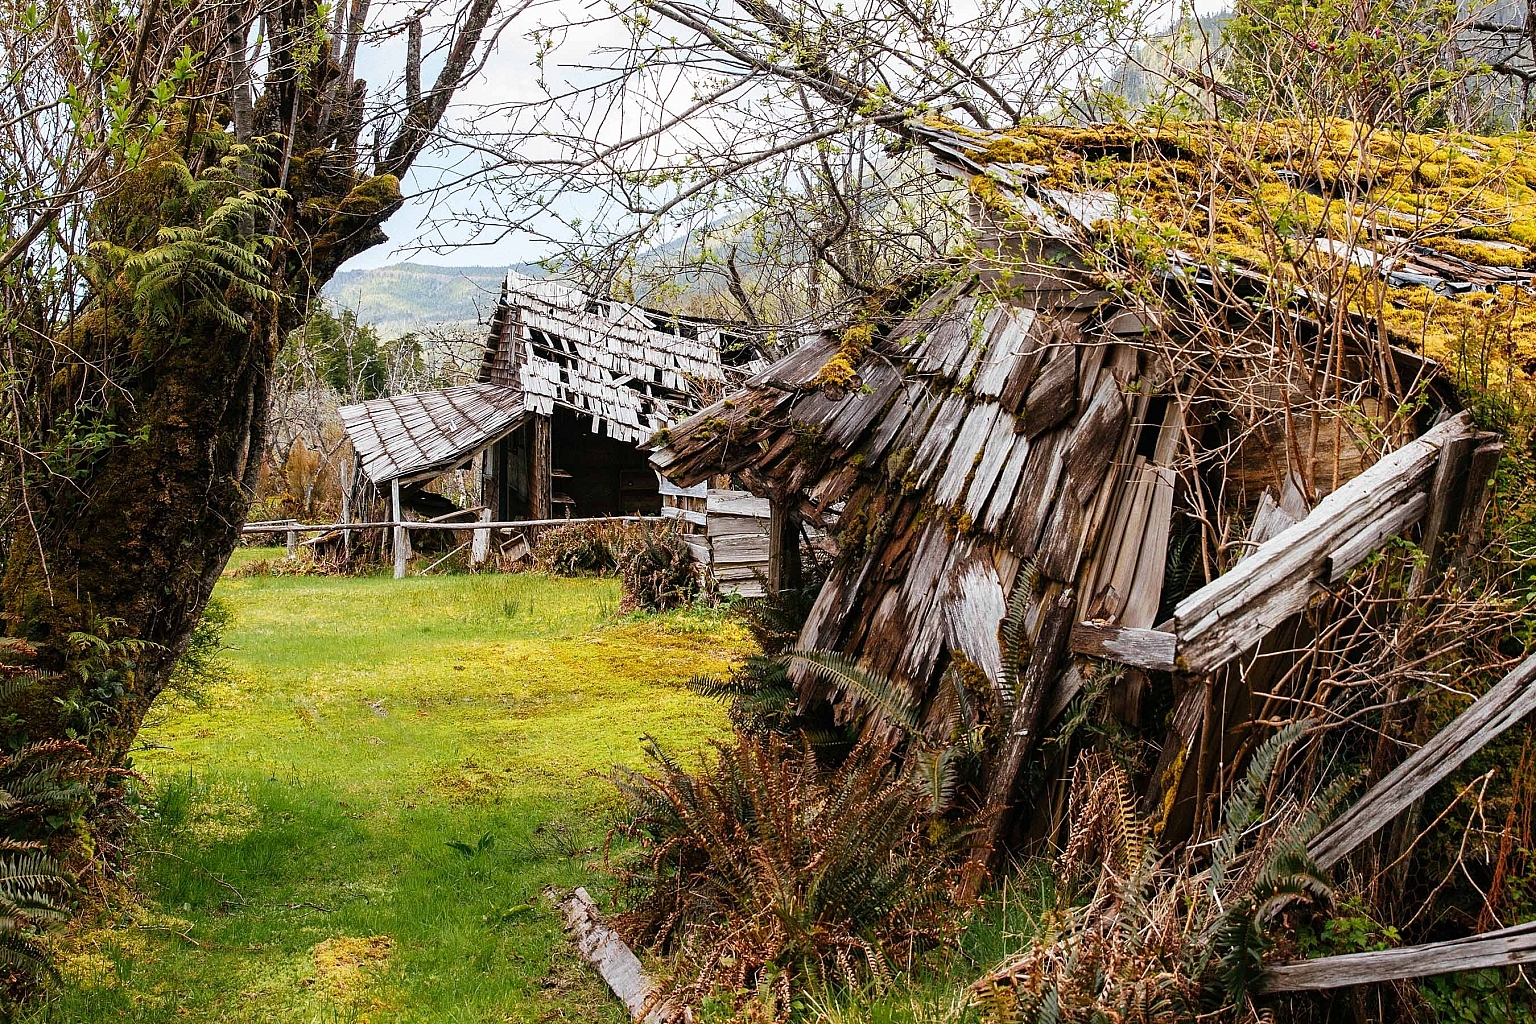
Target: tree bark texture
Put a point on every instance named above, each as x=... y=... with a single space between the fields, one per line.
x=131 y=544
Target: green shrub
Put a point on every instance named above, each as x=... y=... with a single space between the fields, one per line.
x=43 y=787
x=657 y=570
x=578 y=549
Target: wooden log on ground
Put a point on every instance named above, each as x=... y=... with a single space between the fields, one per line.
x=602 y=947
x=1503 y=948
x=1510 y=700
x=1232 y=613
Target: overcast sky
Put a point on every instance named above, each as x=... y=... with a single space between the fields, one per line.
x=510 y=75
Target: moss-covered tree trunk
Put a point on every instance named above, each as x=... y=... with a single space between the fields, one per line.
x=145 y=411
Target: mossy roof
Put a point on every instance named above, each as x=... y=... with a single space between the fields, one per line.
x=1432 y=234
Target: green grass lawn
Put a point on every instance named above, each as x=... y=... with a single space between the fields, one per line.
x=296 y=864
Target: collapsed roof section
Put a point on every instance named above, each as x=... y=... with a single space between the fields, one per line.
x=630 y=369
x=1033 y=428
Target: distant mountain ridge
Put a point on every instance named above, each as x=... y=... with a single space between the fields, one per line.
x=406 y=297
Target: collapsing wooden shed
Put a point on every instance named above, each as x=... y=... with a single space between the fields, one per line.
x=568 y=388
x=1161 y=475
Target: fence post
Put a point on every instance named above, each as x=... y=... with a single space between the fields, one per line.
x=482 y=542
x=293 y=541
x=402 y=539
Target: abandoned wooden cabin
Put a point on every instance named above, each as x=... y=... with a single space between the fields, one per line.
x=568 y=389
x=1160 y=463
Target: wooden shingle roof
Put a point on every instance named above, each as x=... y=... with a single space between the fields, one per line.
x=419 y=435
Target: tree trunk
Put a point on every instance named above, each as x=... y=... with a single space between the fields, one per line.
x=129 y=543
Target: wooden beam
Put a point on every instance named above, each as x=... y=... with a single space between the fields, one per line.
x=1503 y=948
x=1445 y=499
x=402 y=540
x=1233 y=612
x=1510 y=700
x=1359 y=547
x=1040 y=672
x=1143 y=648
x=539 y=467
x=481 y=547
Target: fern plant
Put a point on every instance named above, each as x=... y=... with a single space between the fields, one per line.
x=763 y=870
x=1146 y=938
x=198 y=270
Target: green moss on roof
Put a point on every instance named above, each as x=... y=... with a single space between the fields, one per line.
x=1257 y=195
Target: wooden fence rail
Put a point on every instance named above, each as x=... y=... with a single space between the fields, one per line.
x=401 y=529
x=472 y=524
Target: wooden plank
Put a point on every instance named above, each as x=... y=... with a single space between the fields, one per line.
x=974 y=605
x=1392 y=523
x=1052 y=395
x=1095 y=438
x=1010 y=341
x=1035 y=496
x=402 y=540
x=738 y=503
x=1146 y=590
x=994 y=454
x=1062 y=543
x=744 y=547
x=1121 y=543
x=1232 y=613
x=540 y=493
x=1035 y=683
x=1506 y=947
x=1444 y=507
x=938 y=438
x=1007 y=483
x=963 y=457
x=1183 y=727
x=1143 y=648
x=741 y=572
x=717 y=525
x=1510 y=700
x=688 y=516
x=480 y=548
x=601 y=946
x=911 y=396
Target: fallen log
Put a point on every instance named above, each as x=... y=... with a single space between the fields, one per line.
x=1503 y=948
x=1511 y=699
x=602 y=947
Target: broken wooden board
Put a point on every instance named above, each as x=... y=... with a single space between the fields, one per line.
x=1503 y=948
x=1232 y=613
x=1143 y=648
x=1510 y=700
x=601 y=946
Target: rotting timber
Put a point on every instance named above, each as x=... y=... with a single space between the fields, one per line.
x=1164 y=474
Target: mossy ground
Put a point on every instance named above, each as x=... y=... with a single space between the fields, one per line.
x=295 y=866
